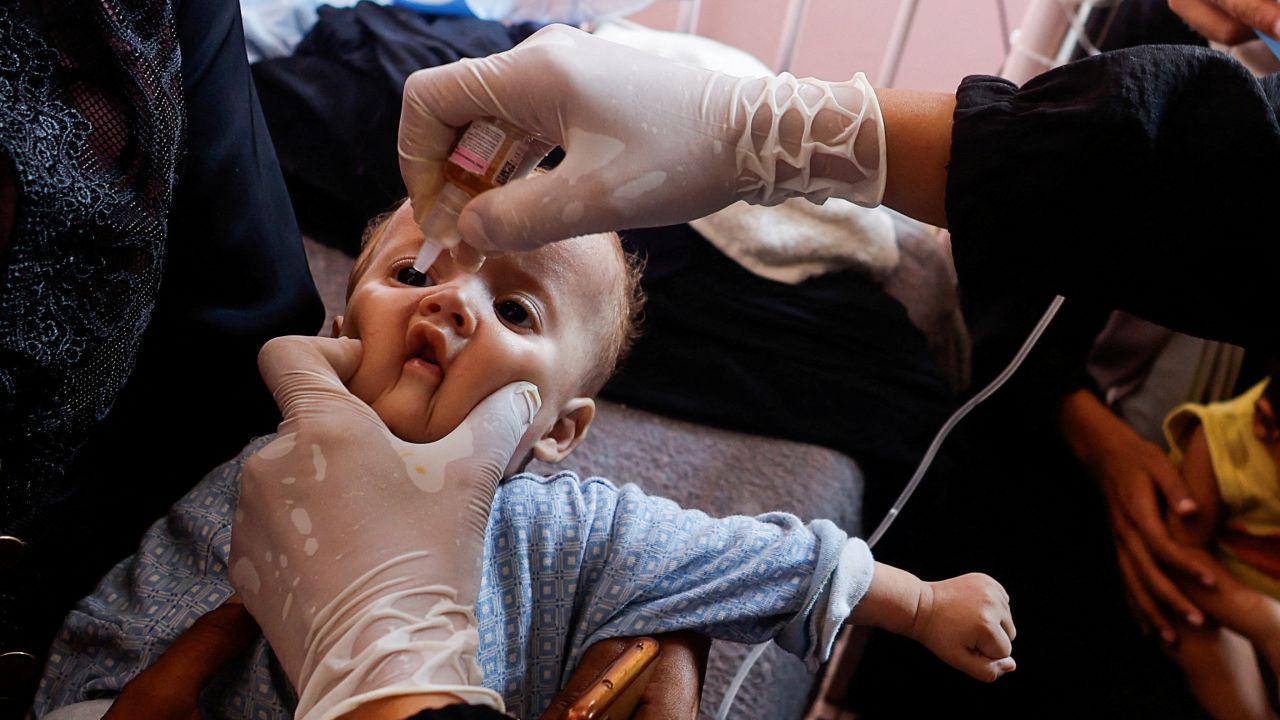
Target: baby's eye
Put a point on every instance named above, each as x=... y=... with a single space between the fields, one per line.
x=515 y=312
x=407 y=275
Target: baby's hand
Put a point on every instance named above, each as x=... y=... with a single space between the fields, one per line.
x=966 y=622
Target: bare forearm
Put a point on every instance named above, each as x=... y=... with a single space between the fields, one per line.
x=1083 y=421
x=918 y=135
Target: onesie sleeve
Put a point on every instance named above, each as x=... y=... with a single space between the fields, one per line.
x=1141 y=179
x=743 y=579
x=837 y=596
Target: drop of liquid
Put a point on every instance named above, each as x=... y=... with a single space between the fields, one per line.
x=410 y=276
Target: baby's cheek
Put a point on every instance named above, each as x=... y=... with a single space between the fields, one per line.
x=370 y=306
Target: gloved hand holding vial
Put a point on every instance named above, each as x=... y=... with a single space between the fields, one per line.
x=647 y=148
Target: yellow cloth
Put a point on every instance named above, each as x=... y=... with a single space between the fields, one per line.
x=1248 y=484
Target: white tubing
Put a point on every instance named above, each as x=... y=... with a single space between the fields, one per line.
x=745 y=668
x=727 y=702
x=688 y=20
x=790 y=35
x=958 y=415
x=897 y=43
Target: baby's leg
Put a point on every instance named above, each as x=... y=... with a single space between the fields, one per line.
x=1219 y=661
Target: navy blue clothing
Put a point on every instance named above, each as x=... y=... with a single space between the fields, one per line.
x=334 y=106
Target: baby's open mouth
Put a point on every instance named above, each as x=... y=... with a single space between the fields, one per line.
x=421 y=347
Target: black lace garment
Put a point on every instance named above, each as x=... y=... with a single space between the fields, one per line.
x=148 y=249
x=91 y=118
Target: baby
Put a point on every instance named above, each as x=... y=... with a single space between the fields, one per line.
x=1229 y=454
x=568 y=562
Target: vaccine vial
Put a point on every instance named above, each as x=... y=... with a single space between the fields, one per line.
x=491 y=152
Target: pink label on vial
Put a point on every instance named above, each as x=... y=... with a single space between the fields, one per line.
x=476 y=149
x=468 y=160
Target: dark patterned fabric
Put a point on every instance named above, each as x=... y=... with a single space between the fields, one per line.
x=148 y=249
x=92 y=129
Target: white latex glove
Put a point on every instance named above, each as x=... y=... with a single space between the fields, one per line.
x=648 y=141
x=359 y=554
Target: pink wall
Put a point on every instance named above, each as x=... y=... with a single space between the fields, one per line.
x=949 y=39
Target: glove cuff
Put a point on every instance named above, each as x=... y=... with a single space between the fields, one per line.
x=387 y=638
x=808 y=138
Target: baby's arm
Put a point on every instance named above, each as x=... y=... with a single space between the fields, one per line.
x=965 y=621
x=1232 y=603
x=773 y=577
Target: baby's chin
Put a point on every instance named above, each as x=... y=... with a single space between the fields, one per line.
x=411 y=424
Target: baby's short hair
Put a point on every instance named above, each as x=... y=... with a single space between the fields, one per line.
x=623 y=319
x=622 y=322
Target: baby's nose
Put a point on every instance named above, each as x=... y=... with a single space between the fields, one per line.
x=448 y=307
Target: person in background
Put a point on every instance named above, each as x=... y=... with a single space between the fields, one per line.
x=1229 y=455
x=148 y=249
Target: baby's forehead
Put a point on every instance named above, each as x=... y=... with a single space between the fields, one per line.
x=572 y=263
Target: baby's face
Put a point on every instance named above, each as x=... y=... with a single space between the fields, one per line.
x=431 y=354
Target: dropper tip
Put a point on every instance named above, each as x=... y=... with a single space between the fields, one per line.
x=417 y=273
x=427 y=256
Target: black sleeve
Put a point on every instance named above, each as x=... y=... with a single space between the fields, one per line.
x=1142 y=179
x=235 y=273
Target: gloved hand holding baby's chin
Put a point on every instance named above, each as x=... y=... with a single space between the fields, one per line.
x=360 y=554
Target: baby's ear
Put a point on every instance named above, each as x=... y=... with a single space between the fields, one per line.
x=336 y=330
x=568 y=432
x=1265 y=426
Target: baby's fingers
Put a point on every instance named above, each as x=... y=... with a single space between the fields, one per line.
x=1006 y=624
x=1004 y=666
x=981 y=667
x=994 y=643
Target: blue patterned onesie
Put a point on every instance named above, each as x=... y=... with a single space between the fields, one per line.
x=567 y=563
